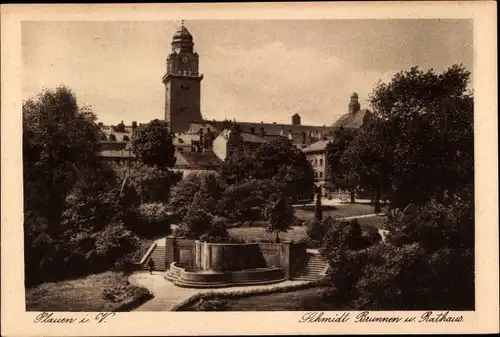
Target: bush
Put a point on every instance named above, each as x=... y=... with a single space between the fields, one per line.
x=154 y=219
x=212 y=305
x=124 y=292
x=317 y=230
x=431 y=247
x=329 y=294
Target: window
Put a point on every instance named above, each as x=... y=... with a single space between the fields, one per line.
x=185 y=87
x=126 y=138
x=321 y=174
x=252 y=130
x=315 y=162
x=321 y=162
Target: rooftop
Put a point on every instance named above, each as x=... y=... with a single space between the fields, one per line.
x=317 y=147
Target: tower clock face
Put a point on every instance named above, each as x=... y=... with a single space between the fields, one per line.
x=184 y=59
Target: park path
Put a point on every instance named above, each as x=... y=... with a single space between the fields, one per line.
x=167 y=295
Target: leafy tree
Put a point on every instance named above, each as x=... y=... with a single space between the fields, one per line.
x=149 y=183
x=237 y=166
x=284 y=162
x=245 y=201
x=338 y=173
x=369 y=161
x=420 y=137
x=71 y=197
x=153 y=144
x=183 y=194
x=278 y=213
x=59 y=142
x=340 y=246
x=431 y=247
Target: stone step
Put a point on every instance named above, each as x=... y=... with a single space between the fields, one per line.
x=159 y=258
x=306 y=278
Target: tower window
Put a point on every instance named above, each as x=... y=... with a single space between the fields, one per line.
x=185 y=87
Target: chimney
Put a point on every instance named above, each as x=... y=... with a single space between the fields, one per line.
x=134 y=125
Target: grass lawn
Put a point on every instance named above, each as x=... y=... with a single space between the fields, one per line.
x=298 y=300
x=82 y=294
x=306 y=213
x=259 y=233
x=297 y=233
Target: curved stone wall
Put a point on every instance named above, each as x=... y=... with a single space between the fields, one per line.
x=228 y=256
x=191 y=278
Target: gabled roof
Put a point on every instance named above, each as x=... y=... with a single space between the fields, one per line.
x=197 y=160
x=319 y=146
x=124 y=154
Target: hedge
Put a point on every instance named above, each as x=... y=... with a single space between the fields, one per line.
x=245 y=293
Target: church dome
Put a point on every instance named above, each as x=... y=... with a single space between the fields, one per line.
x=182 y=34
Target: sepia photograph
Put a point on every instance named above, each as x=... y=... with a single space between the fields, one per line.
x=324 y=166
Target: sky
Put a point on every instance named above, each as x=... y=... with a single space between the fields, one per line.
x=254 y=70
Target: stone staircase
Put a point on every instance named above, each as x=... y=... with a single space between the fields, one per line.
x=158 y=256
x=313 y=268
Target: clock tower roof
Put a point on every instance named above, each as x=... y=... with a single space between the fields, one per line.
x=182 y=34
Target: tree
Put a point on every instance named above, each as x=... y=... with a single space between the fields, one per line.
x=430 y=248
x=245 y=201
x=340 y=248
x=281 y=160
x=420 y=137
x=150 y=183
x=153 y=144
x=368 y=161
x=59 y=143
x=206 y=184
x=70 y=195
x=338 y=173
x=278 y=213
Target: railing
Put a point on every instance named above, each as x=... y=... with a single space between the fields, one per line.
x=138 y=265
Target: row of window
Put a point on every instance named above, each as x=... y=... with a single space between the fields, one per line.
x=315 y=162
x=318 y=174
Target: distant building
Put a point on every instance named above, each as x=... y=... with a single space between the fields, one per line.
x=316 y=154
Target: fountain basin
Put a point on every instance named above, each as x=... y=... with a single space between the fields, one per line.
x=185 y=276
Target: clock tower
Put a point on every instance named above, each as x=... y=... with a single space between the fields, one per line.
x=182 y=83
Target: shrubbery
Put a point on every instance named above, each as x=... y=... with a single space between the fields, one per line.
x=154 y=219
x=211 y=305
x=430 y=248
x=124 y=292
